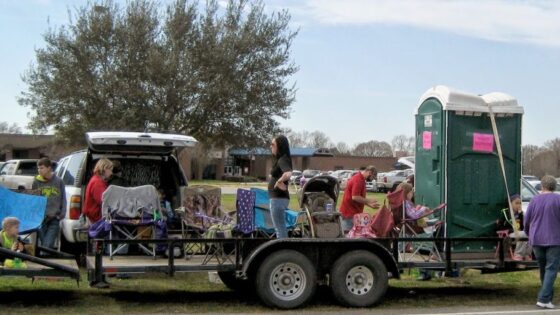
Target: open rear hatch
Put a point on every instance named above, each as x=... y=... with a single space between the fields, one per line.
x=137 y=142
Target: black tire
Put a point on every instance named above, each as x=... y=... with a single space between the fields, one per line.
x=286 y=279
x=359 y=279
x=233 y=283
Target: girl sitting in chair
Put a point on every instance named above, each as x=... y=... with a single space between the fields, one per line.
x=523 y=251
x=416 y=212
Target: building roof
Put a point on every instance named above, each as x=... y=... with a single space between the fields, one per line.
x=456 y=100
x=25 y=141
x=293 y=152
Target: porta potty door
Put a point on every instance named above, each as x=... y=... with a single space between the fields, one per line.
x=476 y=189
x=457 y=162
x=429 y=158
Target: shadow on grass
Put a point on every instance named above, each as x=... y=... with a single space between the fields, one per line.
x=395 y=298
x=176 y=296
x=39 y=297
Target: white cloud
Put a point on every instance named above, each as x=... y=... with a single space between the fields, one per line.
x=534 y=22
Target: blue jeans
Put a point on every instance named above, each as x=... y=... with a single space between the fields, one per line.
x=49 y=232
x=548 y=258
x=347 y=224
x=278 y=211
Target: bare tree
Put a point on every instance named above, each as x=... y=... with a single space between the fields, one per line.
x=320 y=140
x=296 y=138
x=553 y=145
x=342 y=148
x=404 y=144
x=373 y=148
x=5 y=127
x=316 y=139
x=528 y=154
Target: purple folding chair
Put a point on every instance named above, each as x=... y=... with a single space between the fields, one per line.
x=245 y=205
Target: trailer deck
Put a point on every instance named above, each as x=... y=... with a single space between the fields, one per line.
x=40 y=267
x=144 y=264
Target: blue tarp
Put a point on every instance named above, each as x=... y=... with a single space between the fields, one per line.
x=29 y=209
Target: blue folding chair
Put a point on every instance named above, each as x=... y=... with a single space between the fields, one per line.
x=29 y=209
x=263 y=218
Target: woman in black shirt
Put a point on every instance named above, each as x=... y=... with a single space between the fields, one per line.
x=278 y=184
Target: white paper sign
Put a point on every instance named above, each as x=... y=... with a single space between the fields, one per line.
x=428 y=121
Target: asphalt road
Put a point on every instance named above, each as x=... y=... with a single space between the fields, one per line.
x=459 y=310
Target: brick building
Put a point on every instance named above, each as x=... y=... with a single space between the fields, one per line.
x=258 y=162
x=24 y=146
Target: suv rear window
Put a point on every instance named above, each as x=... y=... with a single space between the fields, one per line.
x=73 y=168
x=27 y=168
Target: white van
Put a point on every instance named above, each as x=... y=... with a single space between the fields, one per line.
x=146 y=159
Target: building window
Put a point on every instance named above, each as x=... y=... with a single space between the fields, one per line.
x=21 y=154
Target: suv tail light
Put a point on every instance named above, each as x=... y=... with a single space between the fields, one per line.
x=75 y=207
x=385 y=179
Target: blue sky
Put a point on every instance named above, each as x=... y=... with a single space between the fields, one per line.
x=364 y=64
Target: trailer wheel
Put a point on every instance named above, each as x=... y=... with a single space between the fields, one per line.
x=286 y=279
x=233 y=283
x=359 y=279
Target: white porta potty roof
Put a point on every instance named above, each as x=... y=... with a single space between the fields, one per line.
x=456 y=100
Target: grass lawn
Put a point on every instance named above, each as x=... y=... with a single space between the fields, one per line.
x=192 y=293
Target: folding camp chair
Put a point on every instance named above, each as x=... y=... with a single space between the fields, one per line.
x=28 y=207
x=406 y=227
x=132 y=213
x=245 y=206
x=263 y=218
x=201 y=209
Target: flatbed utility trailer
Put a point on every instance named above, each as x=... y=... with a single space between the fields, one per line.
x=63 y=267
x=285 y=272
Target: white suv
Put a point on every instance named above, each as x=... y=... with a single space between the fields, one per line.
x=146 y=158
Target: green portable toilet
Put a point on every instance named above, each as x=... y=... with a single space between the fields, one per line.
x=457 y=160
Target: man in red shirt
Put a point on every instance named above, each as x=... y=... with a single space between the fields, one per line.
x=354 y=197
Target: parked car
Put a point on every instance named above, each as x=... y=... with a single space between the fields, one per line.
x=533 y=180
x=390 y=180
x=340 y=174
x=538 y=187
x=146 y=158
x=344 y=179
x=295 y=174
x=405 y=162
x=18 y=174
x=371 y=186
x=307 y=174
x=527 y=193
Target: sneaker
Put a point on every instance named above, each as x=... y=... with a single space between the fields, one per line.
x=546 y=305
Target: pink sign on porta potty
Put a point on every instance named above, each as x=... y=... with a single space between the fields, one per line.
x=427 y=140
x=483 y=142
